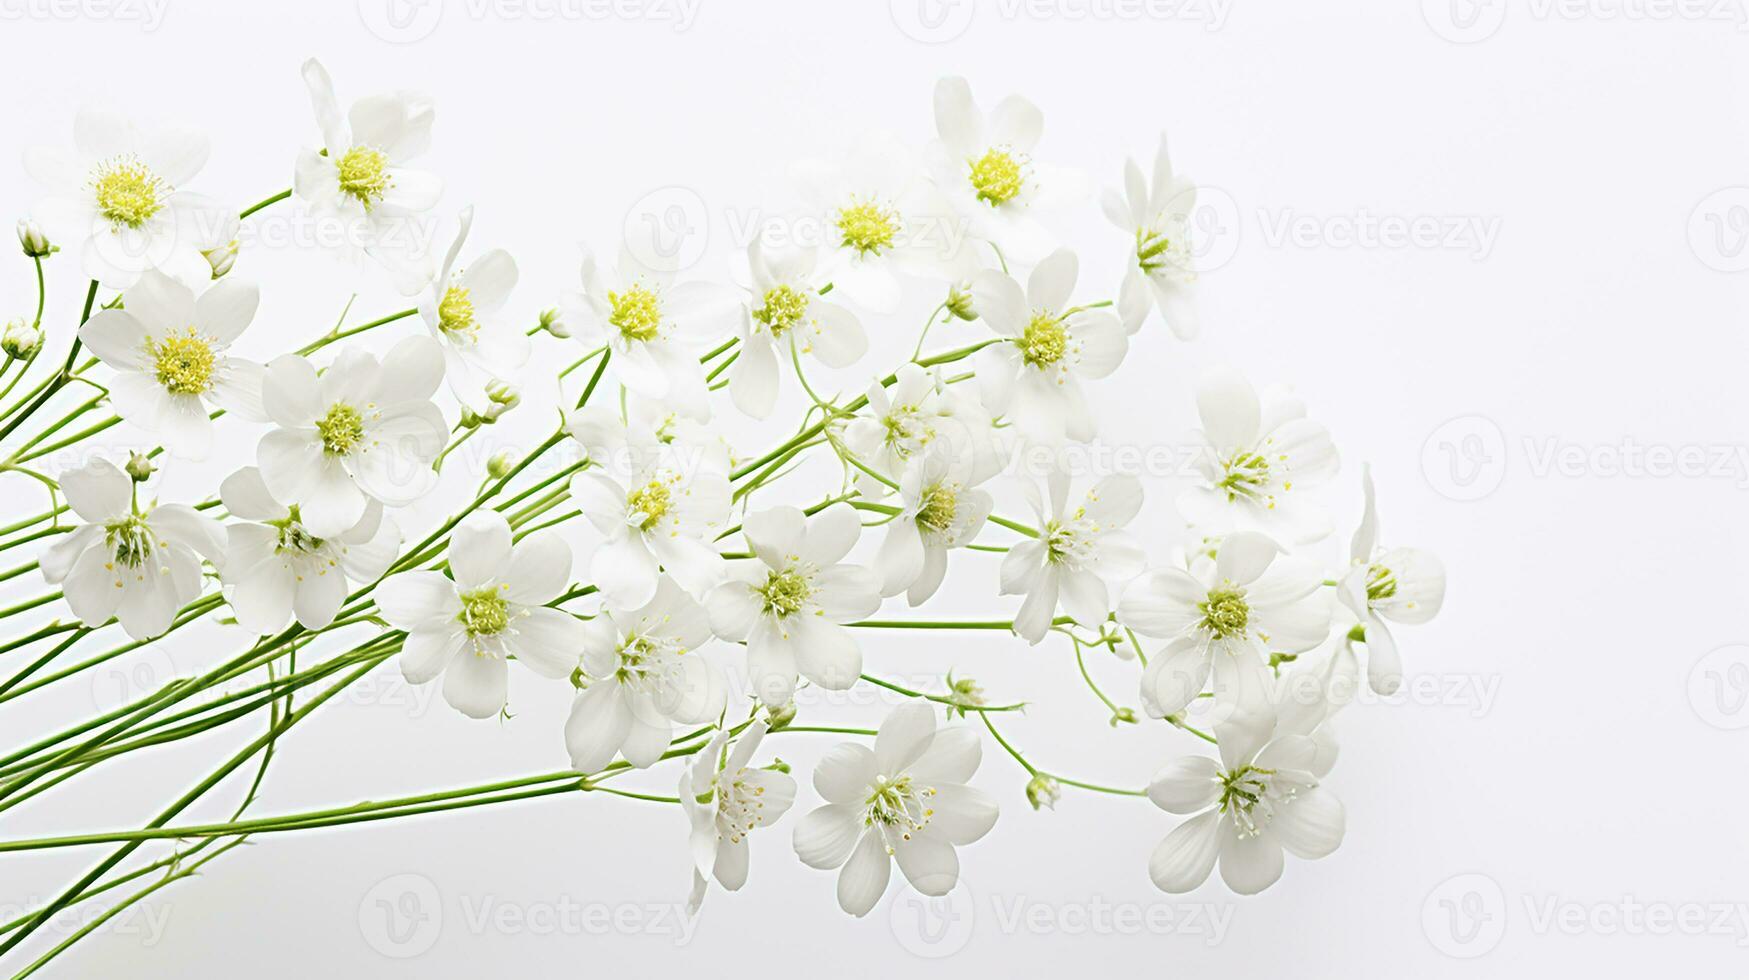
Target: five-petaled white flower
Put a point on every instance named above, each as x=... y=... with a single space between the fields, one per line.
x=1161 y=272
x=171 y=350
x=360 y=431
x=117 y=200
x=1403 y=585
x=1257 y=460
x=495 y=608
x=360 y=178
x=918 y=411
x=275 y=568
x=463 y=311
x=137 y=564
x=1034 y=374
x=656 y=502
x=788 y=602
x=1225 y=617
x=906 y=800
x=1263 y=797
x=940 y=508
x=726 y=803
x=787 y=316
x=986 y=169
x=645 y=672
x=655 y=327
x=1081 y=553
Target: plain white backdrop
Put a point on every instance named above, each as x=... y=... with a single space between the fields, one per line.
x=1499 y=248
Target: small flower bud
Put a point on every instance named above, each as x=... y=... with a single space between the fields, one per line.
x=1123 y=716
x=552 y=323
x=959 y=302
x=777 y=765
x=500 y=465
x=1043 y=791
x=504 y=393
x=964 y=693
x=781 y=717
x=472 y=420
x=35 y=243
x=21 y=339
x=140 y=467
x=222 y=258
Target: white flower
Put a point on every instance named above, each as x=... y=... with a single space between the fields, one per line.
x=787 y=316
x=139 y=565
x=171 y=352
x=880 y=218
x=1257 y=460
x=464 y=312
x=1403 y=585
x=275 y=568
x=940 y=508
x=1079 y=555
x=1160 y=273
x=1224 y=617
x=362 y=179
x=359 y=431
x=736 y=800
x=655 y=327
x=117 y=200
x=645 y=672
x=1261 y=798
x=919 y=411
x=494 y=609
x=789 y=601
x=1034 y=375
x=906 y=798
x=657 y=505
x=985 y=167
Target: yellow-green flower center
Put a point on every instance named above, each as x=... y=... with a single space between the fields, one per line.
x=1044 y=341
x=292 y=536
x=997 y=177
x=635 y=313
x=784 y=307
x=899 y=803
x=484 y=612
x=784 y=593
x=867 y=227
x=1381 y=583
x=1151 y=246
x=455 y=312
x=651 y=500
x=940 y=503
x=184 y=362
x=1246 y=474
x=342 y=429
x=130 y=540
x=128 y=192
x=364 y=174
x=1225 y=612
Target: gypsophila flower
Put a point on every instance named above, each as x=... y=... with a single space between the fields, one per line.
x=786 y=317
x=905 y=800
x=1402 y=585
x=464 y=312
x=138 y=564
x=494 y=609
x=941 y=507
x=1161 y=272
x=789 y=601
x=725 y=804
x=1081 y=553
x=171 y=352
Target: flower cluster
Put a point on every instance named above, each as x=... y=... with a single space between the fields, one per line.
x=697 y=610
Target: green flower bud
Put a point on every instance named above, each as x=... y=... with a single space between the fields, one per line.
x=959 y=303
x=553 y=323
x=500 y=465
x=222 y=258
x=140 y=467
x=781 y=717
x=1043 y=791
x=36 y=245
x=21 y=339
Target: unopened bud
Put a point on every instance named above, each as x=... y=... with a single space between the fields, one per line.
x=781 y=717
x=1043 y=791
x=1124 y=716
x=140 y=467
x=21 y=339
x=500 y=465
x=504 y=393
x=222 y=258
x=959 y=303
x=35 y=243
x=965 y=693
x=553 y=323
x=778 y=765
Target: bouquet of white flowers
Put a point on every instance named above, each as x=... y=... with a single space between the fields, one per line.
x=699 y=613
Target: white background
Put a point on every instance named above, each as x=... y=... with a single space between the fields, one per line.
x=1564 y=745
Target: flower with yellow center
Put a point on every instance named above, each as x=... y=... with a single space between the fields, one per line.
x=128 y=192
x=184 y=362
x=342 y=429
x=867 y=227
x=1045 y=340
x=455 y=313
x=997 y=177
x=650 y=500
x=940 y=504
x=636 y=313
x=364 y=175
